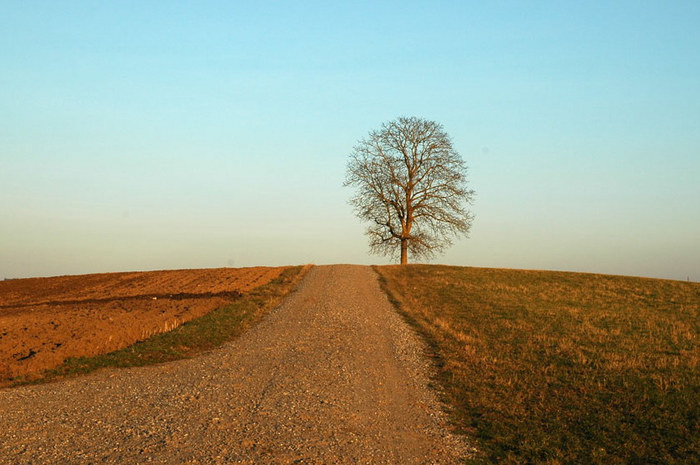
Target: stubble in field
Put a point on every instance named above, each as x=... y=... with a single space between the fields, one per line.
x=549 y=367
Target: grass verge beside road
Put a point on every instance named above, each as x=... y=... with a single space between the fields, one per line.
x=561 y=368
x=196 y=336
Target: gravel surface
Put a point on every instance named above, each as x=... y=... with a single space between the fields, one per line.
x=333 y=375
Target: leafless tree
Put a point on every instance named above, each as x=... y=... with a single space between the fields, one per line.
x=411 y=187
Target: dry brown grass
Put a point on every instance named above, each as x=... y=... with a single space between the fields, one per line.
x=553 y=367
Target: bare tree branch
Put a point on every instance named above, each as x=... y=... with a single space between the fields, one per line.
x=411 y=186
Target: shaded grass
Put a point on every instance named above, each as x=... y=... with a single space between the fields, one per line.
x=559 y=368
x=194 y=337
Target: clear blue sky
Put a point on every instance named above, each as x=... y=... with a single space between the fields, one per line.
x=139 y=135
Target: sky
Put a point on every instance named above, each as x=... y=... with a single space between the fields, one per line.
x=141 y=135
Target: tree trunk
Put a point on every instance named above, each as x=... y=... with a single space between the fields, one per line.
x=404 y=251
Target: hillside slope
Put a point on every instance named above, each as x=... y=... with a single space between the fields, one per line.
x=44 y=321
x=553 y=367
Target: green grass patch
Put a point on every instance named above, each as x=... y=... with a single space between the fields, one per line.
x=561 y=368
x=194 y=337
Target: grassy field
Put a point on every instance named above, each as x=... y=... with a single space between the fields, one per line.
x=201 y=334
x=561 y=368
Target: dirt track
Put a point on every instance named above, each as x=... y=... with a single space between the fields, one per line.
x=332 y=376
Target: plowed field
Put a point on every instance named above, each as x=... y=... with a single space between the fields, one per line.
x=43 y=321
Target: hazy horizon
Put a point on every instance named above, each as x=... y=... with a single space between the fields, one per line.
x=149 y=136
x=436 y=263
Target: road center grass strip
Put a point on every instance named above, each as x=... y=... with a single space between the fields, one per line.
x=194 y=337
x=561 y=368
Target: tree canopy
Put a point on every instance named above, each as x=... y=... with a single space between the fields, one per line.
x=411 y=186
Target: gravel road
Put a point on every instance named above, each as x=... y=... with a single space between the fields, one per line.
x=333 y=375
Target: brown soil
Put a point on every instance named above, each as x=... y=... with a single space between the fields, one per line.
x=43 y=321
x=332 y=375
